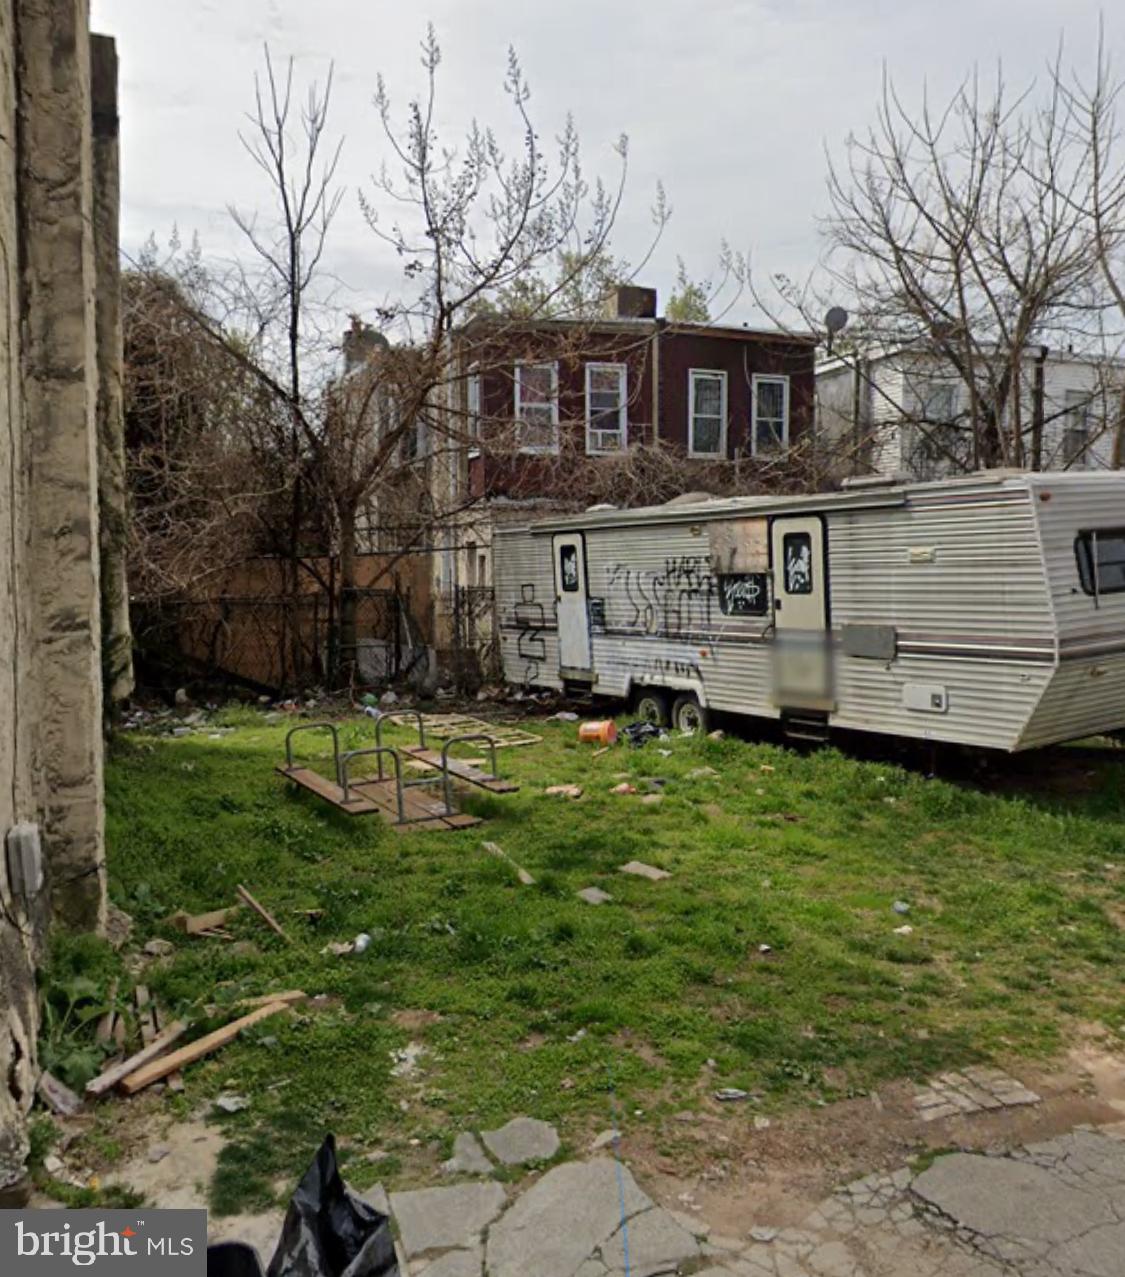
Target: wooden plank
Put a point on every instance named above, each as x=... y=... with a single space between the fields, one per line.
x=104 y=1032
x=104 y=1081
x=494 y=849
x=145 y=1014
x=197 y=924
x=262 y=913
x=137 y=1079
x=59 y=1097
x=462 y=820
x=326 y=789
x=463 y=770
x=175 y=1080
x=267 y=999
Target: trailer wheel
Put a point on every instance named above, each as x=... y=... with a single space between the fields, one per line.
x=651 y=706
x=688 y=715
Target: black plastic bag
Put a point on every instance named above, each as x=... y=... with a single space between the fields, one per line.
x=328 y=1232
x=637 y=733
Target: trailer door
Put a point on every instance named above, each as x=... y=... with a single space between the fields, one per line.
x=802 y=670
x=571 y=604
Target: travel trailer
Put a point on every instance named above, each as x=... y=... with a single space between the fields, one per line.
x=987 y=610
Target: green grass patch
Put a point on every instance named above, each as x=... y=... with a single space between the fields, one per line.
x=539 y=1002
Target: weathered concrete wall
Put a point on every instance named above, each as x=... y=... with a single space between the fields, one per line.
x=50 y=675
x=117 y=638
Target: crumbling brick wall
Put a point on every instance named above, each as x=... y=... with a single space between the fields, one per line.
x=50 y=663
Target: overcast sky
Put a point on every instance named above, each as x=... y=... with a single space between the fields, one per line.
x=730 y=103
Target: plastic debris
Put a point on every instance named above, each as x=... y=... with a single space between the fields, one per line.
x=731 y=1095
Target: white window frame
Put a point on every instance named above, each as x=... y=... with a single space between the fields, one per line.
x=622 y=372
x=1076 y=416
x=473 y=390
x=553 y=446
x=760 y=378
x=707 y=374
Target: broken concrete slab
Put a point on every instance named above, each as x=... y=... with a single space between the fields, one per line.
x=655 y=1239
x=522 y=1140
x=641 y=870
x=593 y=895
x=563 y=1219
x=432 y=1219
x=454 y=1263
x=468 y=1157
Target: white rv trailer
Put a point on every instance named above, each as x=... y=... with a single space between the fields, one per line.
x=987 y=610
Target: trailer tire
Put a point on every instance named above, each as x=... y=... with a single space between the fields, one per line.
x=651 y=706
x=688 y=715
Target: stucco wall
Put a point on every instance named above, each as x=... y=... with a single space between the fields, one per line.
x=50 y=676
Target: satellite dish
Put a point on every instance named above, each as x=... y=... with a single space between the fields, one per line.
x=835 y=321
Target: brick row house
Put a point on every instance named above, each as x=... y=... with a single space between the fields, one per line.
x=545 y=405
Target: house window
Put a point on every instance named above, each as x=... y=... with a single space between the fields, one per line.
x=1101 y=561
x=937 y=445
x=472 y=404
x=606 y=410
x=1076 y=430
x=707 y=408
x=537 y=407
x=770 y=427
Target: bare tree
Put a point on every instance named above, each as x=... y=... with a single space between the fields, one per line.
x=960 y=234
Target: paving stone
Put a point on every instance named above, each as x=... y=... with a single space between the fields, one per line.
x=563 y=1219
x=641 y=870
x=522 y=1140
x=442 y=1218
x=454 y=1263
x=376 y=1196
x=468 y=1157
x=1002 y=1197
x=655 y=1240
x=593 y=895
x=694 y=1225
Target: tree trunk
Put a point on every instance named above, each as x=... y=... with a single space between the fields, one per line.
x=348 y=601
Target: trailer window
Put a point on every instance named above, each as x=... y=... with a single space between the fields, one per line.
x=744 y=594
x=1101 y=560
x=796 y=549
x=568 y=568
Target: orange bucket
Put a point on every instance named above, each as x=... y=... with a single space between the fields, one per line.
x=600 y=733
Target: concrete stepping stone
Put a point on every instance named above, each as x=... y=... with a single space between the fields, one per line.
x=522 y=1140
x=454 y=1263
x=563 y=1220
x=641 y=870
x=445 y=1218
x=468 y=1157
x=655 y=1240
x=593 y=895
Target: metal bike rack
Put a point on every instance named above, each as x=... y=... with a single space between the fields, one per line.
x=379 y=750
x=447 y=790
x=314 y=727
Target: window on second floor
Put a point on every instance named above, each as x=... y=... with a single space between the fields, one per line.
x=707 y=413
x=935 y=402
x=537 y=407
x=606 y=408
x=1073 y=454
x=471 y=425
x=769 y=429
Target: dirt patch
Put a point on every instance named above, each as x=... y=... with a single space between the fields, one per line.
x=413 y=1020
x=716 y=1164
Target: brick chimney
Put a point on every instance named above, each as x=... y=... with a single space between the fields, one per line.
x=630 y=301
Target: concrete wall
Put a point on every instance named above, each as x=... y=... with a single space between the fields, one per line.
x=50 y=676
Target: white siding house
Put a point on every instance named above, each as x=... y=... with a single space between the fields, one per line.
x=906 y=412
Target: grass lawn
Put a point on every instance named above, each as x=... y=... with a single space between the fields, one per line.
x=541 y=1001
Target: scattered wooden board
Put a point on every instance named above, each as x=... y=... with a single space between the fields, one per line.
x=266 y=999
x=201 y=923
x=140 y=1077
x=149 y=1017
x=115 y=1073
x=262 y=913
x=104 y=1032
x=445 y=725
x=494 y=849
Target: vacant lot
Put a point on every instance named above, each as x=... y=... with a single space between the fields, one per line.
x=768 y=961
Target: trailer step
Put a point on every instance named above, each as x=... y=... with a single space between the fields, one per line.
x=805 y=725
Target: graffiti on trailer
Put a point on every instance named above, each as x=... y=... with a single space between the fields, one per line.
x=674 y=600
x=531 y=623
x=665 y=667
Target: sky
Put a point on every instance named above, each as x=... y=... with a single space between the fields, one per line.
x=731 y=104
